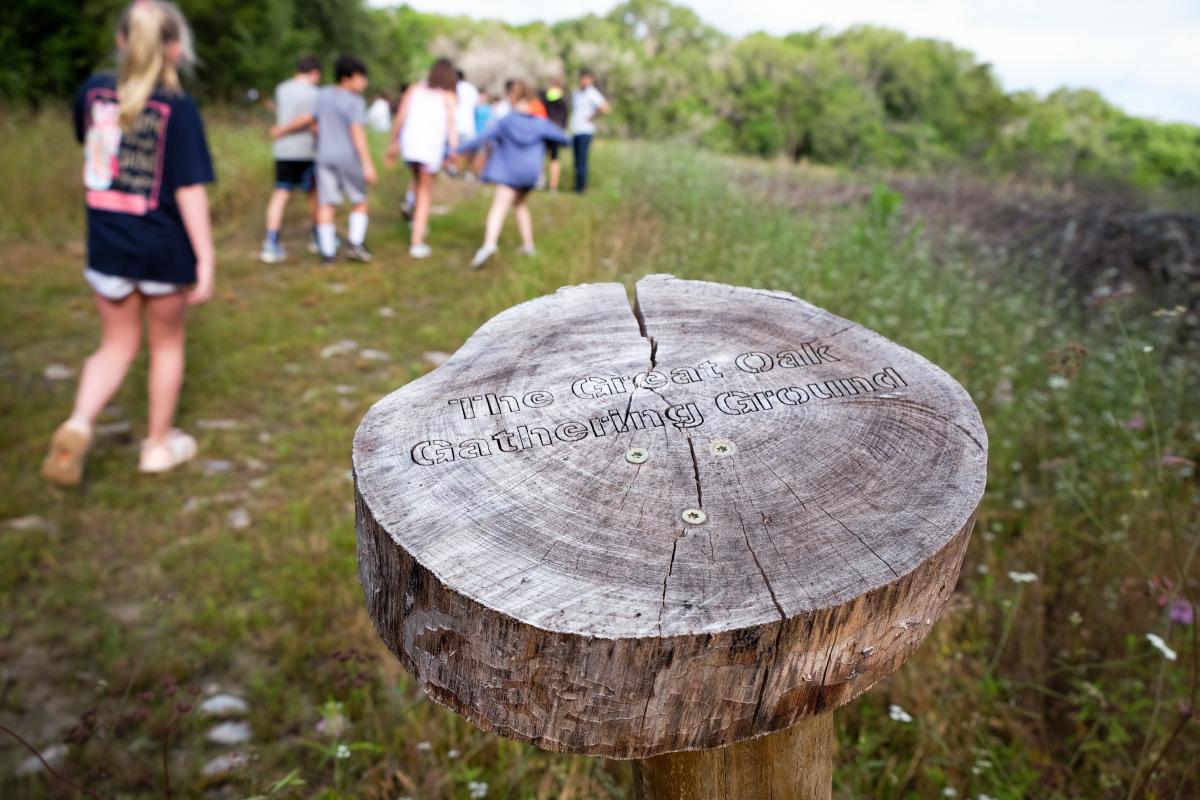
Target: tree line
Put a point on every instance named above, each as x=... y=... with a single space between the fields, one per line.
x=866 y=96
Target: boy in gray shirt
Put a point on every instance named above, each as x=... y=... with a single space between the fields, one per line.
x=344 y=164
x=295 y=149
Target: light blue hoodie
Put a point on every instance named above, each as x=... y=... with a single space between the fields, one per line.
x=519 y=142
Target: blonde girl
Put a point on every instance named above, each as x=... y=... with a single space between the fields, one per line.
x=424 y=124
x=150 y=251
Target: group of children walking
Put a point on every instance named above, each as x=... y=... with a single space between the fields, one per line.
x=146 y=165
x=439 y=123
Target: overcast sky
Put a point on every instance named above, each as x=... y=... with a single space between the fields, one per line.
x=1142 y=55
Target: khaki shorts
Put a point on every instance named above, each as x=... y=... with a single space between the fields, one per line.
x=115 y=287
x=336 y=183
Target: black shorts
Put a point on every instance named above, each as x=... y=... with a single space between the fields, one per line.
x=295 y=176
x=552 y=147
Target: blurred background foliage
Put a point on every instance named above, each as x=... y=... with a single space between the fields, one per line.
x=866 y=96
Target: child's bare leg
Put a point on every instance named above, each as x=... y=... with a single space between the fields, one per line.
x=524 y=219
x=555 y=172
x=104 y=371
x=423 y=191
x=275 y=208
x=501 y=201
x=166 y=316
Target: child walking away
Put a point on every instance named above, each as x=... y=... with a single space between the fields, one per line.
x=149 y=236
x=555 y=102
x=424 y=123
x=344 y=165
x=295 y=148
x=519 y=141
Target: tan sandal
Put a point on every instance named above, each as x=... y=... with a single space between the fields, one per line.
x=68 y=450
x=164 y=456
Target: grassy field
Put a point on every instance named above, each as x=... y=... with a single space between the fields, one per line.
x=237 y=573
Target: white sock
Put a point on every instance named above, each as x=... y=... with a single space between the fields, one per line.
x=327 y=240
x=357 y=228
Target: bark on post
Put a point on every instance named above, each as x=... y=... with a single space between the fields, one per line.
x=672 y=528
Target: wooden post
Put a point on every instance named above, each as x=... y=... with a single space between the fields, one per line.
x=682 y=533
x=793 y=764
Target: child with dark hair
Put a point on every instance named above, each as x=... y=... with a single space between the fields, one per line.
x=555 y=101
x=518 y=142
x=344 y=164
x=424 y=124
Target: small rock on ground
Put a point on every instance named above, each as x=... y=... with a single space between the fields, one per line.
x=387 y=311
x=216 y=466
x=30 y=523
x=224 y=764
x=224 y=705
x=339 y=348
x=58 y=372
x=218 y=424
x=54 y=756
x=122 y=429
x=230 y=733
x=238 y=519
x=373 y=355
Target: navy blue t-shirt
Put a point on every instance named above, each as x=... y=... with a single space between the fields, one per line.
x=130 y=178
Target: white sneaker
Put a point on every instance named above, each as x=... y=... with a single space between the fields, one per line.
x=165 y=456
x=528 y=250
x=482 y=255
x=420 y=250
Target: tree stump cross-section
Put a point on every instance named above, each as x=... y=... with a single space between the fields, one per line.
x=631 y=532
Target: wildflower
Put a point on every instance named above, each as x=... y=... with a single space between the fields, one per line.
x=1181 y=611
x=1135 y=423
x=453 y=754
x=1169 y=459
x=476 y=789
x=1058 y=382
x=982 y=569
x=949 y=791
x=1022 y=577
x=343 y=752
x=1161 y=646
x=424 y=747
x=898 y=714
x=1147 y=348
x=985 y=797
x=1076 y=618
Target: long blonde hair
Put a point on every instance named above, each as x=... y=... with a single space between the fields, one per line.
x=146 y=28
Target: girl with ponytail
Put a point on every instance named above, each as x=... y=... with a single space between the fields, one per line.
x=150 y=252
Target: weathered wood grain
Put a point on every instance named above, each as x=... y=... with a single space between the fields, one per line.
x=548 y=589
x=793 y=764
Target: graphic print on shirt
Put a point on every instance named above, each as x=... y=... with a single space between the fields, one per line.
x=122 y=171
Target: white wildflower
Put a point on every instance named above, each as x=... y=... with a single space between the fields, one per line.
x=1022 y=577
x=453 y=754
x=985 y=797
x=343 y=752
x=1058 y=382
x=1076 y=618
x=898 y=714
x=949 y=791
x=477 y=789
x=1161 y=646
x=982 y=569
x=424 y=747
x=1147 y=349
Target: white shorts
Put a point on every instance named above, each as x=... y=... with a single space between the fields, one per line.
x=115 y=287
x=334 y=184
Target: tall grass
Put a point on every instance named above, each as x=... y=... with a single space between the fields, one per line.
x=1043 y=687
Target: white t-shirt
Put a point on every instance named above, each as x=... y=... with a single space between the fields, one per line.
x=584 y=105
x=379 y=115
x=464 y=110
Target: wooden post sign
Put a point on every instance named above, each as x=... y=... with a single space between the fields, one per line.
x=681 y=533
